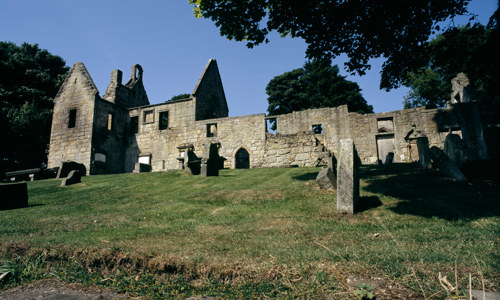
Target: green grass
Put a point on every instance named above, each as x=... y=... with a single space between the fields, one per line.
x=257 y=233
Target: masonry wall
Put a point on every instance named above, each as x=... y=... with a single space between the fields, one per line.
x=79 y=93
x=104 y=140
x=109 y=138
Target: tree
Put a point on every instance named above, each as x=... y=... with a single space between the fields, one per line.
x=467 y=49
x=427 y=89
x=29 y=80
x=395 y=30
x=315 y=85
x=180 y=96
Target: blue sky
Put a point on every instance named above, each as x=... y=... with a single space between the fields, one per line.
x=173 y=47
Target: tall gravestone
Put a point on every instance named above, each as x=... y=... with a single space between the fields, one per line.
x=347 y=177
x=454 y=149
x=424 y=159
x=446 y=165
x=210 y=161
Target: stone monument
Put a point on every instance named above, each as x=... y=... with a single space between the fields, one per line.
x=210 y=161
x=446 y=165
x=454 y=149
x=347 y=177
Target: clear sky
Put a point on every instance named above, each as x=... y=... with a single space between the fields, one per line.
x=173 y=47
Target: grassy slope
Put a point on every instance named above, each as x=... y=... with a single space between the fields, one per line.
x=273 y=225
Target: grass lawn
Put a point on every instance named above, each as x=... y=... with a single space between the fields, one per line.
x=258 y=233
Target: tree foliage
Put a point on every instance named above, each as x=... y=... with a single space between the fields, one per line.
x=315 y=85
x=29 y=80
x=395 y=30
x=468 y=49
x=180 y=96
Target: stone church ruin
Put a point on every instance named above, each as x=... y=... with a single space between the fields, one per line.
x=121 y=131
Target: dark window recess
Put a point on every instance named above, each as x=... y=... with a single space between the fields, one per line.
x=134 y=124
x=211 y=130
x=317 y=129
x=72 y=118
x=163 y=124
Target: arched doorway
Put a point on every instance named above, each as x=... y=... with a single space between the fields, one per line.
x=242 y=159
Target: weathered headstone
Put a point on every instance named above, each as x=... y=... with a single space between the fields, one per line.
x=454 y=149
x=210 y=161
x=192 y=164
x=140 y=168
x=424 y=159
x=347 y=177
x=68 y=166
x=72 y=178
x=446 y=165
x=326 y=179
x=14 y=195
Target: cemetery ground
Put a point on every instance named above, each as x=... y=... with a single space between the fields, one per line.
x=258 y=233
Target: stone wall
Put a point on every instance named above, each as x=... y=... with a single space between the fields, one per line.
x=78 y=94
x=109 y=136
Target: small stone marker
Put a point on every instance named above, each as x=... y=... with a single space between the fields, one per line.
x=210 y=160
x=14 y=195
x=326 y=179
x=454 y=149
x=73 y=177
x=446 y=165
x=347 y=177
x=424 y=159
x=68 y=166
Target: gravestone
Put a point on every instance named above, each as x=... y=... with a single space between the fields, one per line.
x=13 y=195
x=446 y=165
x=326 y=179
x=68 y=166
x=192 y=165
x=210 y=161
x=72 y=178
x=454 y=149
x=140 y=168
x=424 y=159
x=347 y=177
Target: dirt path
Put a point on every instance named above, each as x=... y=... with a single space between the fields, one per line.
x=56 y=290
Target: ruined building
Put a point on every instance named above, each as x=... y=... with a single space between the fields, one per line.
x=114 y=132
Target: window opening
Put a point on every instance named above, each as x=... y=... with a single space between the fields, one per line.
x=110 y=121
x=134 y=124
x=163 y=122
x=212 y=130
x=317 y=129
x=72 y=118
x=148 y=116
x=271 y=125
x=385 y=124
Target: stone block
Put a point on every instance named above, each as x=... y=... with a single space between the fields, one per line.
x=326 y=179
x=14 y=195
x=347 y=177
x=72 y=178
x=446 y=165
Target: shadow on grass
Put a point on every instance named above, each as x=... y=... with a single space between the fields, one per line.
x=427 y=193
x=306 y=176
x=368 y=202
